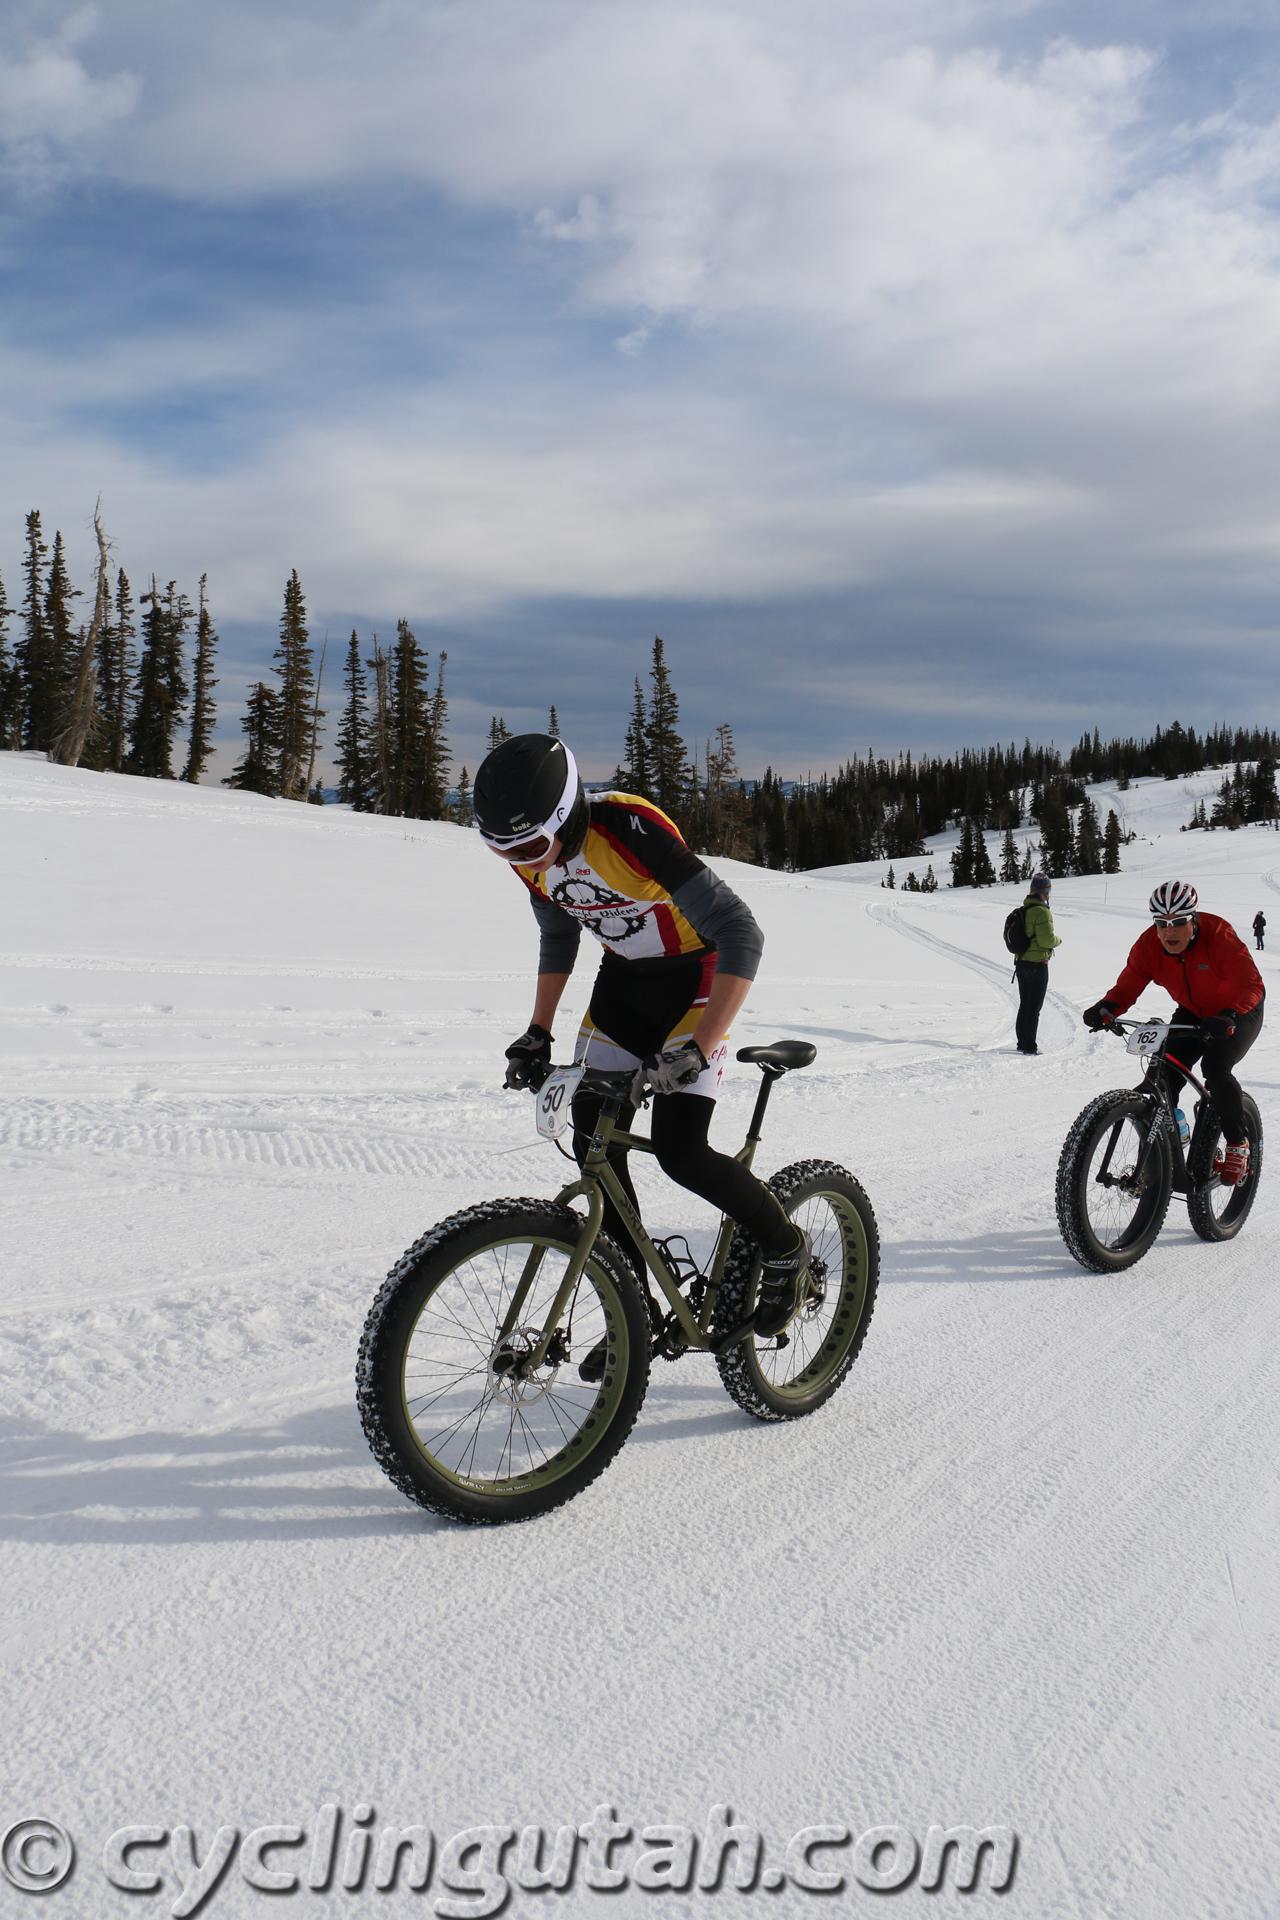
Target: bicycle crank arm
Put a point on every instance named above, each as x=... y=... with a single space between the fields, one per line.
x=734 y=1336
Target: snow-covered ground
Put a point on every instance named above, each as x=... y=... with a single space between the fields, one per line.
x=1021 y=1572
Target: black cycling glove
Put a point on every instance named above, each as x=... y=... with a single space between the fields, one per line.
x=1220 y=1026
x=529 y=1058
x=1100 y=1014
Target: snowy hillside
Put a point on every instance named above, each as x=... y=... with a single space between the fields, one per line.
x=1021 y=1571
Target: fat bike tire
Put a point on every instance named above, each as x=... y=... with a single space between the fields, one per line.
x=449 y=1415
x=1217 y=1212
x=784 y=1377
x=1107 y=1228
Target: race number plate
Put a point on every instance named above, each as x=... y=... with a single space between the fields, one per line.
x=1148 y=1039
x=556 y=1098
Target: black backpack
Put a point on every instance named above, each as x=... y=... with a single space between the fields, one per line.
x=1016 y=936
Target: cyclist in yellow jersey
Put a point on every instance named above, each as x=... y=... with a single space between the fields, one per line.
x=680 y=952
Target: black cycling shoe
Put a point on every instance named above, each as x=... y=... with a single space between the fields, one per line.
x=782 y=1287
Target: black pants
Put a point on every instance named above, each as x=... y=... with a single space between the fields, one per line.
x=637 y=1011
x=1033 y=984
x=1219 y=1058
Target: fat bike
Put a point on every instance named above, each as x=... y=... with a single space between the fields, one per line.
x=1124 y=1159
x=506 y=1357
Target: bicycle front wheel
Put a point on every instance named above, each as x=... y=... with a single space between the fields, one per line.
x=1108 y=1216
x=452 y=1407
x=1217 y=1212
x=789 y=1374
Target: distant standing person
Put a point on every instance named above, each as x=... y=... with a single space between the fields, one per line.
x=1259 y=927
x=1032 y=965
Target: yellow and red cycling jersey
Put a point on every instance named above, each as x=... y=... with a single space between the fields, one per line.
x=619 y=886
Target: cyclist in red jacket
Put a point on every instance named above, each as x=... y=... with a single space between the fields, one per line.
x=1203 y=964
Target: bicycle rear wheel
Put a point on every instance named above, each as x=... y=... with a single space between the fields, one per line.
x=454 y=1414
x=791 y=1374
x=1217 y=1212
x=1108 y=1216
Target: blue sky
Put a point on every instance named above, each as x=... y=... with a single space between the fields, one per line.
x=912 y=368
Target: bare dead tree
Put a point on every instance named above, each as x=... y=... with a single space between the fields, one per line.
x=316 y=718
x=82 y=714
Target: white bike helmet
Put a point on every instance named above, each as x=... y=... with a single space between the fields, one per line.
x=1173 y=897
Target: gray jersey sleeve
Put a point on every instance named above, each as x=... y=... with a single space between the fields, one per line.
x=718 y=914
x=559 y=934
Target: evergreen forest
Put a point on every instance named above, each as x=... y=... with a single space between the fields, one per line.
x=130 y=689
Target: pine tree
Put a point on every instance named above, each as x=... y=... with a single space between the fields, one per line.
x=665 y=748
x=1058 y=838
x=464 y=813
x=962 y=858
x=889 y=881
x=1008 y=857
x=498 y=732
x=63 y=647
x=434 y=797
x=380 y=732
x=117 y=661
x=1088 y=848
x=1224 y=808
x=297 y=691
x=161 y=686
x=1028 y=863
x=633 y=775
x=984 y=874
x=36 y=665
x=10 y=682
x=352 y=741
x=724 y=825
x=553 y=725
x=408 y=722
x=911 y=884
x=1263 y=802
x=1111 y=843
x=203 y=708
x=929 y=884
x=258 y=769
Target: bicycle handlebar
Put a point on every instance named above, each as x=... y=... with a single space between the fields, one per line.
x=1119 y=1024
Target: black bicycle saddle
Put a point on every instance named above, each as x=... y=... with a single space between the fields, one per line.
x=782 y=1056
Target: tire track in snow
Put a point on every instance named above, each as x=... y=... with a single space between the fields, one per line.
x=991 y=971
x=49 y=1128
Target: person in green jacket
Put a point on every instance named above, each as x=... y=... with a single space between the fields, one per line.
x=1032 y=966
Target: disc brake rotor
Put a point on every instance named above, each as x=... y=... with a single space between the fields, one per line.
x=508 y=1363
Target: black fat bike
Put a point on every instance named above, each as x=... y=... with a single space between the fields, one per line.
x=506 y=1357
x=1124 y=1159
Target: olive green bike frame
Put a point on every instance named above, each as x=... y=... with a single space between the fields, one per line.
x=598 y=1178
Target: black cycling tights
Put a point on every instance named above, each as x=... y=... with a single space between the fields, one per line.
x=1219 y=1058
x=681 y=1122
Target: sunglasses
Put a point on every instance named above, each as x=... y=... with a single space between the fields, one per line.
x=1177 y=920
x=521 y=851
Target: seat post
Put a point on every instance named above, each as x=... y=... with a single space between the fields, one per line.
x=767 y=1077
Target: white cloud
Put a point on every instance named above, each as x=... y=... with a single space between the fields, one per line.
x=50 y=107
x=949 y=309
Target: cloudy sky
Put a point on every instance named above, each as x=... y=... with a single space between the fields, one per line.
x=912 y=368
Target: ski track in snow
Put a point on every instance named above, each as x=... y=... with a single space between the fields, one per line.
x=1021 y=1570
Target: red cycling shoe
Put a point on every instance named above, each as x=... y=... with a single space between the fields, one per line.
x=1232 y=1164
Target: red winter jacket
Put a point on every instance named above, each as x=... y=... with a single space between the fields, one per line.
x=1215 y=972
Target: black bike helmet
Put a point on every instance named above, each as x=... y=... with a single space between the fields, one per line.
x=525 y=792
